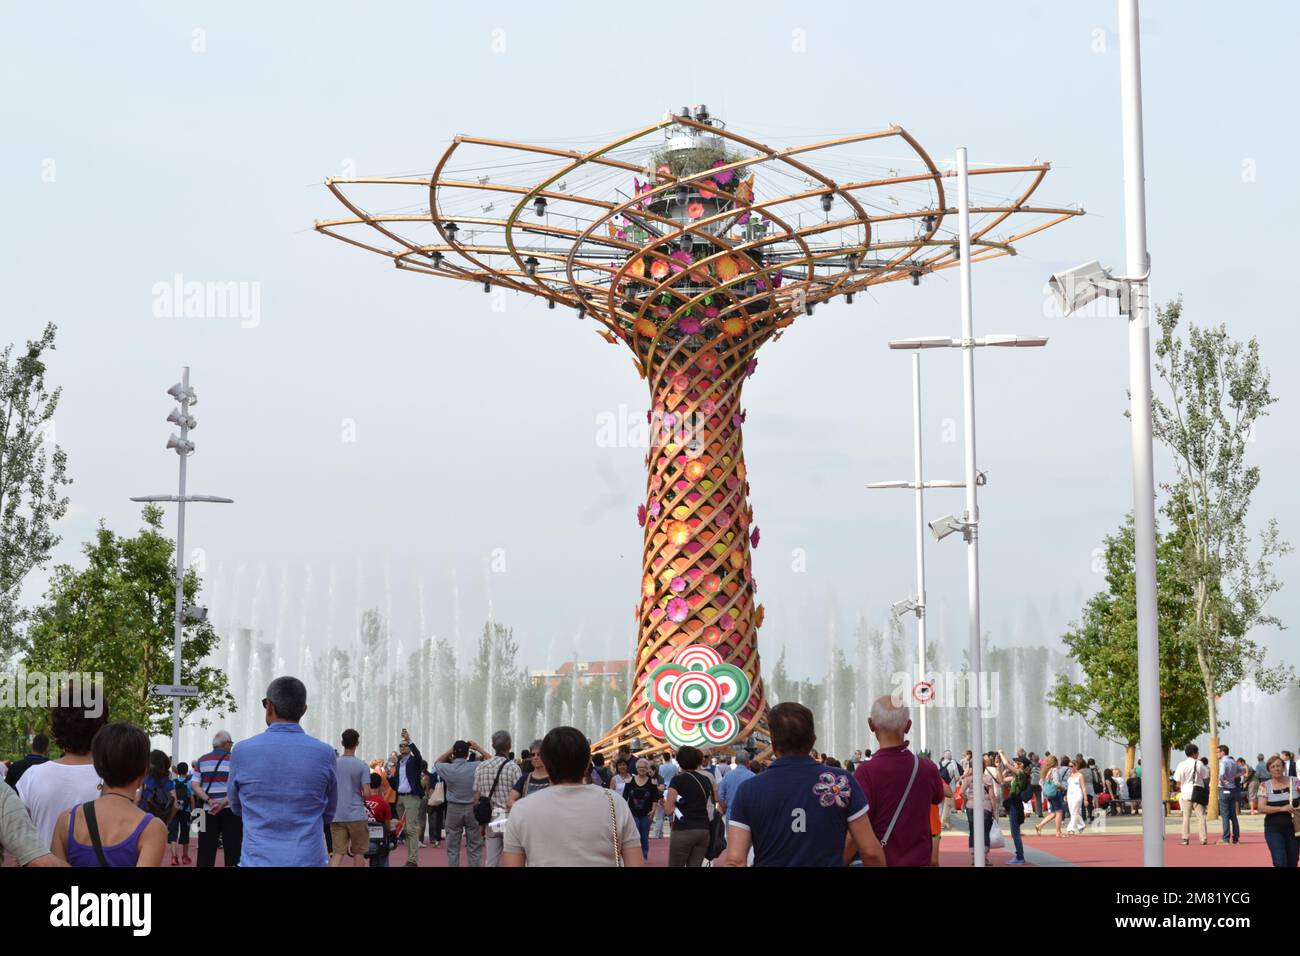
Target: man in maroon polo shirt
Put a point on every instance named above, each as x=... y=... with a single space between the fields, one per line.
x=884 y=779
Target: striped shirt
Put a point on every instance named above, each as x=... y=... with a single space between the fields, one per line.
x=214 y=773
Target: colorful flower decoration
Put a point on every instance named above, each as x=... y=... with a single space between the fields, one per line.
x=733 y=325
x=707 y=361
x=655 y=507
x=832 y=790
x=659 y=269
x=678 y=610
x=640 y=515
x=695 y=699
x=725 y=176
x=695 y=210
x=753 y=537
x=647 y=327
x=679 y=532
x=726 y=267
x=680 y=260
x=689 y=324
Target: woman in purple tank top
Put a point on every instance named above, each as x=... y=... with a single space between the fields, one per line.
x=127 y=836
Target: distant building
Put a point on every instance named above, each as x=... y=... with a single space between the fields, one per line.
x=614 y=672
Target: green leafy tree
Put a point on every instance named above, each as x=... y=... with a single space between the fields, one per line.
x=31 y=479
x=1104 y=644
x=1218 y=391
x=114 y=617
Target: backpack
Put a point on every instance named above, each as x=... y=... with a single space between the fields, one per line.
x=1020 y=785
x=159 y=803
x=945 y=774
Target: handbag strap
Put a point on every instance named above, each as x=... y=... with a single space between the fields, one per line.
x=613 y=829
x=92 y=825
x=706 y=794
x=916 y=763
x=497 y=778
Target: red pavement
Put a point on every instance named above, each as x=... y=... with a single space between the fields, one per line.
x=1126 y=850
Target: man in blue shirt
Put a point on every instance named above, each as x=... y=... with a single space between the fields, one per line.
x=732 y=781
x=283 y=785
x=798 y=812
x=1229 y=795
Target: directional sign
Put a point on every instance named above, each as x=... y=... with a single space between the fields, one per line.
x=175 y=690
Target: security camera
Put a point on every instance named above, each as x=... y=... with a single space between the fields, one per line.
x=942 y=527
x=1075 y=288
x=194 y=614
x=902 y=607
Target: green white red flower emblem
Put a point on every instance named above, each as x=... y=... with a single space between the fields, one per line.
x=695 y=699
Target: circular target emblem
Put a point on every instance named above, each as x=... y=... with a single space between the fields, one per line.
x=923 y=692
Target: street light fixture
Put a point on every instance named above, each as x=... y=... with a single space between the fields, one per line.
x=968 y=524
x=183 y=612
x=918 y=484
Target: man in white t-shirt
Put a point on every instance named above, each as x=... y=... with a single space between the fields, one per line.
x=1188 y=774
x=570 y=823
x=49 y=788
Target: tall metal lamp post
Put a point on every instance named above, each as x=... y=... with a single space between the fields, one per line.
x=183 y=447
x=968 y=524
x=916 y=604
x=1073 y=290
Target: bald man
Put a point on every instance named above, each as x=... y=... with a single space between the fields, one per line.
x=901 y=787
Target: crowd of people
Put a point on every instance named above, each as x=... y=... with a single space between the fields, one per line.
x=284 y=798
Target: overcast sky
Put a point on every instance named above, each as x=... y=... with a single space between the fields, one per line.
x=387 y=432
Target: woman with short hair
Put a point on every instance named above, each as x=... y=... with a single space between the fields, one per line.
x=691 y=793
x=112 y=830
x=570 y=823
x=1279 y=796
x=536 y=779
x=642 y=795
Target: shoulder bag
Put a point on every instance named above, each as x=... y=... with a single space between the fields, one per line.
x=1200 y=792
x=717 y=825
x=483 y=809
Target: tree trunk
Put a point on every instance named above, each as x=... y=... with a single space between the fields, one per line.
x=1130 y=759
x=696 y=583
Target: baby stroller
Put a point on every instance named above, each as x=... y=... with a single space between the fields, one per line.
x=382 y=842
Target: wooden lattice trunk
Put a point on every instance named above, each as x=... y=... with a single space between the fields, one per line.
x=699 y=530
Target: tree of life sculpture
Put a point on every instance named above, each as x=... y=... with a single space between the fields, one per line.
x=694 y=246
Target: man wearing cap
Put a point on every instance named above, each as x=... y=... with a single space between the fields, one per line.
x=457 y=774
